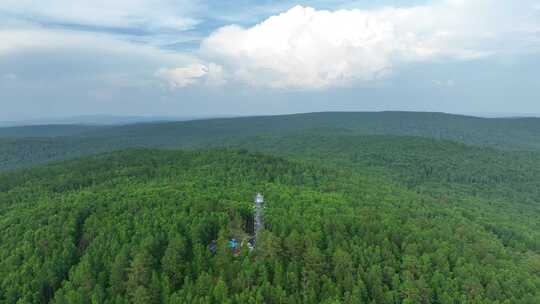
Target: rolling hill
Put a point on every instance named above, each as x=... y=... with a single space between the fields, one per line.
x=26 y=150
x=44 y=131
x=361 y=207
x=134 y=227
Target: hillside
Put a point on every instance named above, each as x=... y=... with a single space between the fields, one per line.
x=44 y=131
x=510 y=133
x=506 y=181
x=500 y=133
x=134 y=226
x=416 y=162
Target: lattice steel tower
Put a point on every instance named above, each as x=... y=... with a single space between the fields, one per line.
x=258 y=222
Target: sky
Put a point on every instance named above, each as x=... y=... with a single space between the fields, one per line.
x=61 y=58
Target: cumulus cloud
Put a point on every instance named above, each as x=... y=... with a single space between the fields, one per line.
x=444 y=83
x=305 y=48
x=191 y=74
x=302 y=48
x=182 y=77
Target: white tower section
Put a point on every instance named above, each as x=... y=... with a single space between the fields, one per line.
x=258 y=217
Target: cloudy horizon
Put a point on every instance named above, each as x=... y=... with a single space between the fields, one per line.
x=198 y=58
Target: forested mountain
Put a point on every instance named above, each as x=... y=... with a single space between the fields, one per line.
x=509 y=133
x=44 y=131
x=357 y=211
x=506 y=181
x=416 y=162
x=134 y=226
x=94 y=120
x=501 y=133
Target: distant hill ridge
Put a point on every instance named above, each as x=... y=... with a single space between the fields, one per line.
x=95 y=120
x=508 y=133
x=23 y=146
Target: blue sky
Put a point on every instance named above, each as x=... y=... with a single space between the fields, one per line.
x=185 y=57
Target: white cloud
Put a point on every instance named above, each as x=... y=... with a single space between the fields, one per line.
x=141 y=14
x=34 y=40
x=444 y=83
x=56 y=57
x=196 y=73
x=305 y=48
x=182 y=77
x=215 y=75
x=302 y=48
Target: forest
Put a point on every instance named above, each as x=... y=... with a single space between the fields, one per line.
x=349 y=217
x=22 y=147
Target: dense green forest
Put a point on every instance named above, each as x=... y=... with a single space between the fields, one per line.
x=26 y=146
x=433 y=165
x=45 y=131
x=349 y=217
x=506 y=181
x=135 y=226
